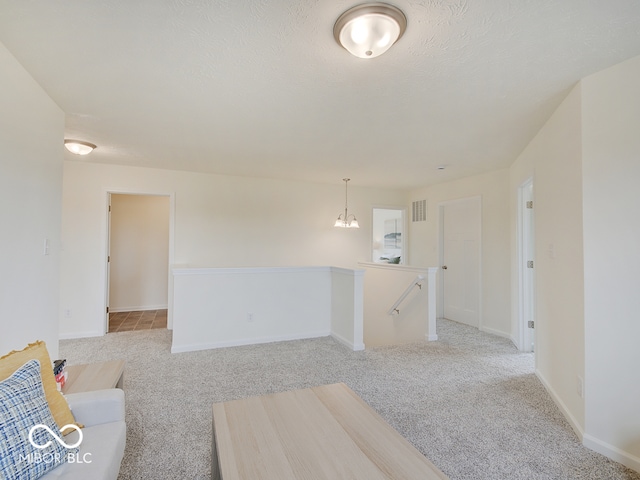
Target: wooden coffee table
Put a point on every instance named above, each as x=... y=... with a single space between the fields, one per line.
x=325 y=432
x=94 y=376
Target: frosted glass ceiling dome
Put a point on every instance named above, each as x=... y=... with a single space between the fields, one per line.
x=370 y=29
x=79 y=147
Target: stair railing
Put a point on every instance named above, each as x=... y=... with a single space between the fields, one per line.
x=417 y=282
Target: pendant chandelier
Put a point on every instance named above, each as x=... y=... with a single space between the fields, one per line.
x=344 y=219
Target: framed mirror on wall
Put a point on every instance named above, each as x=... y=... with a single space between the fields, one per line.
x=388 y=235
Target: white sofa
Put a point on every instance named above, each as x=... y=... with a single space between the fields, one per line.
x=104 y=436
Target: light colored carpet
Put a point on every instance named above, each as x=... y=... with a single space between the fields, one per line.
x=470 y=402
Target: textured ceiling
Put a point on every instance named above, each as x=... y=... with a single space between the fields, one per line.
x=260 y=88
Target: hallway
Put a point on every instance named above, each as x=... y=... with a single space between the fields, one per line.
x=140 y=320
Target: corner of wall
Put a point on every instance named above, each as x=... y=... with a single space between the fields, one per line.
x=30 y=190
x=575 y=424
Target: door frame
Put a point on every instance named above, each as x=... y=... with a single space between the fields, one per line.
x=526 y=281
x=405 y=231
x=107 y=244
x=477 y=203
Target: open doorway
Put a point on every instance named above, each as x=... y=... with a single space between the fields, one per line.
x=526 y=268
x=138 y=261
x=388 y=237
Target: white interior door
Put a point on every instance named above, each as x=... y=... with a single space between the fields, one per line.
x=461 y=222
x=106 y=321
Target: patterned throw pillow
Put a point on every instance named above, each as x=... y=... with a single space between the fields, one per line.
x=38 y=351
x=23 y=405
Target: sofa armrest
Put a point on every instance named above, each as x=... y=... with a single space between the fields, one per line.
x=97 y=407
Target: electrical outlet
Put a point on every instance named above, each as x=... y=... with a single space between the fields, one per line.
x=249 y=317
x=67 y=313
x=580 y=387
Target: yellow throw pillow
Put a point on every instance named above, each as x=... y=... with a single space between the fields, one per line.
x=57 y=403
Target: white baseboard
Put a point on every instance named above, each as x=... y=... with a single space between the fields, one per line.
x=356 y=347
x=137 y=308
x=498 y=333
x=563 y=408
x=589 y=441
x=70 y=336
x=614 y=453
x=246 y=341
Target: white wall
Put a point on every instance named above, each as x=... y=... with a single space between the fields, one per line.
x=383 y=286
x=31 y=144
x=347 y=307
x=424 y=240
x=219 y=221
x=139 y=252
x=222 y=307
x=585 y=168
x=611 y=172
x=556 y=154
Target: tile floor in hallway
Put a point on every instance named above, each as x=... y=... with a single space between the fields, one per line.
x=141 y=320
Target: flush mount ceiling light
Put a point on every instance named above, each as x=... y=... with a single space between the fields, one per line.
x=345 y=220
x=78 y=147
x=370 y=29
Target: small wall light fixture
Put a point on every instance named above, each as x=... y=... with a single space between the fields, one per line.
x=370 y=29
x=78 y=147
x=344 y=219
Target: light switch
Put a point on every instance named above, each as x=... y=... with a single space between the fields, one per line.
x=552 y=251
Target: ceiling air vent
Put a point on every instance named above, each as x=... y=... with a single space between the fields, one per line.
x=419 y=211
